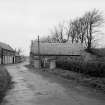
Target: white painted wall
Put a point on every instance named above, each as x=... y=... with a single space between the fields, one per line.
x=7 y=59
x=0 y=60
x=37 y=64
x=52 y=64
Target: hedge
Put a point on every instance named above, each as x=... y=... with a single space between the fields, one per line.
x=92 y=68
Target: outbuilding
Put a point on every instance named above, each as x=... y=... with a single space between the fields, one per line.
x=44 y=54
x=7 y=54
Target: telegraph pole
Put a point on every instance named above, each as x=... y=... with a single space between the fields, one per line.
x=39 y=50
x=2 y=56
x=38 y=47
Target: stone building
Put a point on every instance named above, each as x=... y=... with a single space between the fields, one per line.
x=46 y=54
x=7 y=54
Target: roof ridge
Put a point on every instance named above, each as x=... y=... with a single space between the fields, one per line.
x=6 y=46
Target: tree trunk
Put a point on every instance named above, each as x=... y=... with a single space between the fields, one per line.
x=89 y=37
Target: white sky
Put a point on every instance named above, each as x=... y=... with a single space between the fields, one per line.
x=22 y=20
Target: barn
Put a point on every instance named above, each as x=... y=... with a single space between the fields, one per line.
x=7 y=54
x=44 y=54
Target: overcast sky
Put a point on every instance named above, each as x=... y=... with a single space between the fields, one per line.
x=22 y=20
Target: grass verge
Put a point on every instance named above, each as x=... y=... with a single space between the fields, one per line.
x=5 y=82
x=79 y=78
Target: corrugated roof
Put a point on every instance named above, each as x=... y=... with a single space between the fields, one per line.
x=57 y=48
x=6 y=46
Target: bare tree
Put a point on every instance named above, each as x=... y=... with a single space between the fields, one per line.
x=83 y=29
x=56 y=36
x=93 y=20
x=58 y=33
x=61 y=29
x=19 y=51
x=69 y=30
x=74 y=30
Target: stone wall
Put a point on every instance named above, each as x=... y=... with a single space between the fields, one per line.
x=43 y=61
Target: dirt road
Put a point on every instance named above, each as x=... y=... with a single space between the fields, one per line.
x=34 y=89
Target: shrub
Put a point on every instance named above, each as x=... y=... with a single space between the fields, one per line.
x=92 y=68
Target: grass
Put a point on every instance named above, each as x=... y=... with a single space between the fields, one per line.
x=78 y=78
x=5 y=81
x=90 y=73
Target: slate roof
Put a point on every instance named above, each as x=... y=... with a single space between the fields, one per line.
x=6 y=46
x=57 y=48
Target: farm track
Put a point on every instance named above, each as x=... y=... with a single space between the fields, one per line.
x=36 y=89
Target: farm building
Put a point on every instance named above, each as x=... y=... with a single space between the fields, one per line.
x=7 y=54
x=45 y=54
